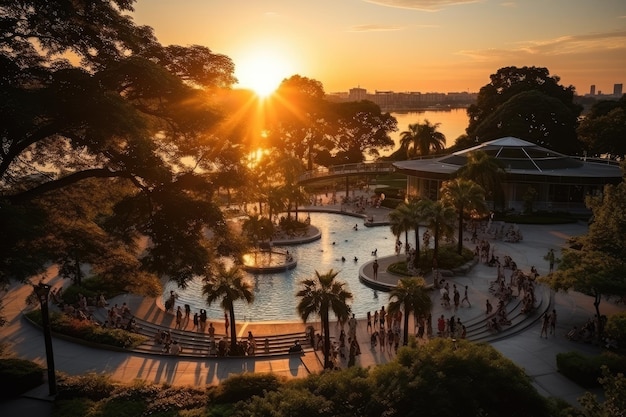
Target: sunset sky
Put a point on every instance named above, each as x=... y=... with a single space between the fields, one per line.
x=401 y=45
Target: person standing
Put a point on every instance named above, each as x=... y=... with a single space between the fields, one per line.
x=352 y=327
x=375 y=266
x=196 y=321
x=550 y=258
x=226 y=324
x=369 y=321
x=179 y=318
x=187 y=314
x=202 y=320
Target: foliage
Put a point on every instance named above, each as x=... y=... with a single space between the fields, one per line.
x=439 y=379
x=82 y=329
x=422 y=138
x=586 y=370
x=603 y=129
x=468 y=199
x=529 y=103
x=229 y=285
x=318 y=296
x=616 y=329
x=244 y=386
x=411 y=297
x=448 y=258
x=539 y=217
x=614 y=404
x=595 y=263
x=19 y=376
x=92 y=386
x=116 y=144
x=486 y=171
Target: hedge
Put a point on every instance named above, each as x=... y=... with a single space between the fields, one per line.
x=585 y=370
x=19 y=376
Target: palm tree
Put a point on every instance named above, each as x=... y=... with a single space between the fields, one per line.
x=318 y=296
x=439 y=218
x=411 y=296
x=466 y=197
x=229 y=285
x=400 y=221
x=416 y=212
x=421 y=138
x=486 y=171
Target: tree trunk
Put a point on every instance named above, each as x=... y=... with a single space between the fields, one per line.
x=460 y=243
x=326 y=326
x=233 y=329
x=417 y=246
x=406 y=327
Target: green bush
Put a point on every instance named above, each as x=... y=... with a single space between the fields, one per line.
x=585 y=370
x=447 y=258
x=91 y=288
x=242 y=387
x=616 y=329
x=91 y=386
x=540 y=217
x=391 y=203
x=19 y=376
x=85 y=330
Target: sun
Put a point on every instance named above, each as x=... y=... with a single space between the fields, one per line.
x=262 y=71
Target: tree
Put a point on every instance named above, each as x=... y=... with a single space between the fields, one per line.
x=439 y=218
x=358 y=128
x=445 y=378
x=132 y=115
x=486 y=171
x=602 y=131
x=416 y=212
x=422 y=138
x=467 y=197
x=319 y=296
x=409 y=295
x=614 y=386
x=595 y=263
x=529 y=103
x=228 y=285
x=401 y=222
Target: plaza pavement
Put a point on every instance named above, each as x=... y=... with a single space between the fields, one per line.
x=535 y=355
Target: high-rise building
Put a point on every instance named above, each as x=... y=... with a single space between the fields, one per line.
x=593 y=90
x=617 y=89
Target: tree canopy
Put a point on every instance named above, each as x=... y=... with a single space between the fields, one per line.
x=527 y=103
x=91 y=103
x=603 y=130
x=595 y=263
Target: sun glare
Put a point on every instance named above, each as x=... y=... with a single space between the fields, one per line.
x=262 y=72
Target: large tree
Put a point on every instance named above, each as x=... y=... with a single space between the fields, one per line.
x=228 y=285
x=529 y=103
x=603 y=130
x=439 y=218
x=468 y=199
x=410 y=296
x=422 y=138
x=595 y=263
x=319 y=296
x=131 y=114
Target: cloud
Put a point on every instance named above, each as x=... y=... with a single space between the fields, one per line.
x=374 y=28
x=425 y=5
x=564 y=45
x=511 y=4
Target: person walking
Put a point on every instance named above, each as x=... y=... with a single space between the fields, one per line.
x=553 y=322
x=465 y=298
x=545 y=321
x=550 y=258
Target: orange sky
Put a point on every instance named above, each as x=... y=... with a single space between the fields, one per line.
x=401 y=45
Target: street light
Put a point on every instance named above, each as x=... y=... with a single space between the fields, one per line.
x=43 y=290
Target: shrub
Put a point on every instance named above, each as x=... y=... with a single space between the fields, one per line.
x=585 y=370
x=91 y=287
x=447 y=258
x=92 y=386
x=88 y=331
x=19 y=376
x=616 y=328
x=242 y=387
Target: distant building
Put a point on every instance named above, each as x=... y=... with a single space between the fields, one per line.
x=593 y=90
x=617 y=90
x=406 y=101
x=357 y=94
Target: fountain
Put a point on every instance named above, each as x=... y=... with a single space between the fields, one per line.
x=268 y=261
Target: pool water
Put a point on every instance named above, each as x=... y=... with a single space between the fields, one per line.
x=275 y=294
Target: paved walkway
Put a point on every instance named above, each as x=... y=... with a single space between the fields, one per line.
x=534 y=354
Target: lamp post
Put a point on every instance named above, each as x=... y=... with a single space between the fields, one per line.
x=43 y=290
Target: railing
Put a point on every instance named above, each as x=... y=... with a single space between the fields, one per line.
x=348 y=169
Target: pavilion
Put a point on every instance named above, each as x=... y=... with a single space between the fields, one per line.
x=561 y=182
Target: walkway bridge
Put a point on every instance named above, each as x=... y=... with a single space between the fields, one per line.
x=347 y=170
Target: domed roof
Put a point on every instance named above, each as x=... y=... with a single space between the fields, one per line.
x=519 y=157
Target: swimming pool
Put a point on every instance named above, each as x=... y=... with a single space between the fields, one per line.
x=274 y=294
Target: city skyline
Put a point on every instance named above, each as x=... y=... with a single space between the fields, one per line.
x=401 y=45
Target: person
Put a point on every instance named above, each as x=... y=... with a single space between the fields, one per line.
x=465 y=298
x=179 y=318
x=356 y=227
x=211 y=330
x=374 y=339
x=175 y=348
x=187 y=314
x=226 y=324
x=202 y=320
x=553 y=322
x=382 y=316
x=489 y=307
x=295 y=348
x=102 y=302
x=352 y=327
x=375 y=252
x=375 y=266
x=369 y=320
x=550 y=258
x=196 y=321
